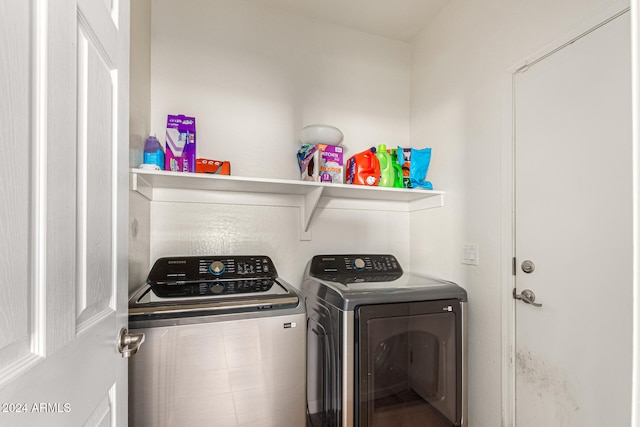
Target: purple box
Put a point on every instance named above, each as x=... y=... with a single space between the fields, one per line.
x=331 y=164
x=180 y=154
x=322 y=163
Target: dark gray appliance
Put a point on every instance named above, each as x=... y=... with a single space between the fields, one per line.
x=384 y=347
x=225 y=345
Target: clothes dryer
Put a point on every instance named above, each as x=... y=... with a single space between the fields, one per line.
x=384 y=347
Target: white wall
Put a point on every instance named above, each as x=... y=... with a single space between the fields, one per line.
x=253 y=77
x=459 y=72
x=139 y=122
x=140 y=78
x=196 y=229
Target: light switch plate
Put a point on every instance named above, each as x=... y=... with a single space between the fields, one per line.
x=470 y=254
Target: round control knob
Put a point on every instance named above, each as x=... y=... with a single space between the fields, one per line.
x=216 y=288
x=216 y=268
x=358 y=264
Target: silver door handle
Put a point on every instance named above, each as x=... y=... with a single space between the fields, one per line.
x=527 y=296
x=129 y=344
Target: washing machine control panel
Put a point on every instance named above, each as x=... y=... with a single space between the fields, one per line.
x=355 y=268
x=211 y=275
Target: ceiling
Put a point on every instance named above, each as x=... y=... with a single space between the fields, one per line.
x=394 y=19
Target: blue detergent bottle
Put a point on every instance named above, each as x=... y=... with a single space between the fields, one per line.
x=153 y=153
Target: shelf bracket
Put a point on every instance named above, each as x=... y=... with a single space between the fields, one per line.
x=140 y=185
x=429 y=203
x=309 y=204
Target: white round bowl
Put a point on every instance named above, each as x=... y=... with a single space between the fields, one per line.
x=321 y=134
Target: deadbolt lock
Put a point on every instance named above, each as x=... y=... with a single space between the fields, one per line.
x=528 y=266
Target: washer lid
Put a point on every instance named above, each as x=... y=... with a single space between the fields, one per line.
x=209 y=285
x=144 y=302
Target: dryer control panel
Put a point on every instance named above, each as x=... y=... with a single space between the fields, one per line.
x=355 y=268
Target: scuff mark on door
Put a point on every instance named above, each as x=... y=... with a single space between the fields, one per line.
x=542 y=383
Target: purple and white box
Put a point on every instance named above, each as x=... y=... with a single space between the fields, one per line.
x=180 y=154
x=331 y=164
x=322 y=162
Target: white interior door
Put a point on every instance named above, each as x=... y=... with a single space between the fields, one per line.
x=574 y=222
x=63 y=265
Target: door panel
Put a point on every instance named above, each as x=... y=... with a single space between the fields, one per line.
x=64 y=116
x=573 y=220
x=95 y=179
x=16 y=190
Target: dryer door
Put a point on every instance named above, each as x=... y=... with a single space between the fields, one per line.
x=409 y=364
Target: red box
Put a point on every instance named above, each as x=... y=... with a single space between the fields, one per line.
x=217 y=167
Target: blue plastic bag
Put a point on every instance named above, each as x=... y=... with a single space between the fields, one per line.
x=420 y=160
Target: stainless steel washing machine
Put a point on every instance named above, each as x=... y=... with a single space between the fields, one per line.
x=225 y=345
x=384 y=347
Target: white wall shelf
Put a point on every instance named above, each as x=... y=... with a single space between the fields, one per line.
x=203 y=188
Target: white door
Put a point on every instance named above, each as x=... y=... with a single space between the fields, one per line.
x=63 y=186
x=574 y=223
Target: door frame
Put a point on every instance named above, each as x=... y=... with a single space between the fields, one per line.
x=507 y=190
x=635 y=123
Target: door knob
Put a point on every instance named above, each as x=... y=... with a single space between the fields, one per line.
x=129 y=344
x=527 y=296
x=528 y=266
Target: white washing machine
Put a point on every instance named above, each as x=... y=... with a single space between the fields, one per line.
x=225 y=345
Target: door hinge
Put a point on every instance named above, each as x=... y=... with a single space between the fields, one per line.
x=513 y=266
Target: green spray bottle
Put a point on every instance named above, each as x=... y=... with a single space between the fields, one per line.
x=397 y=169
